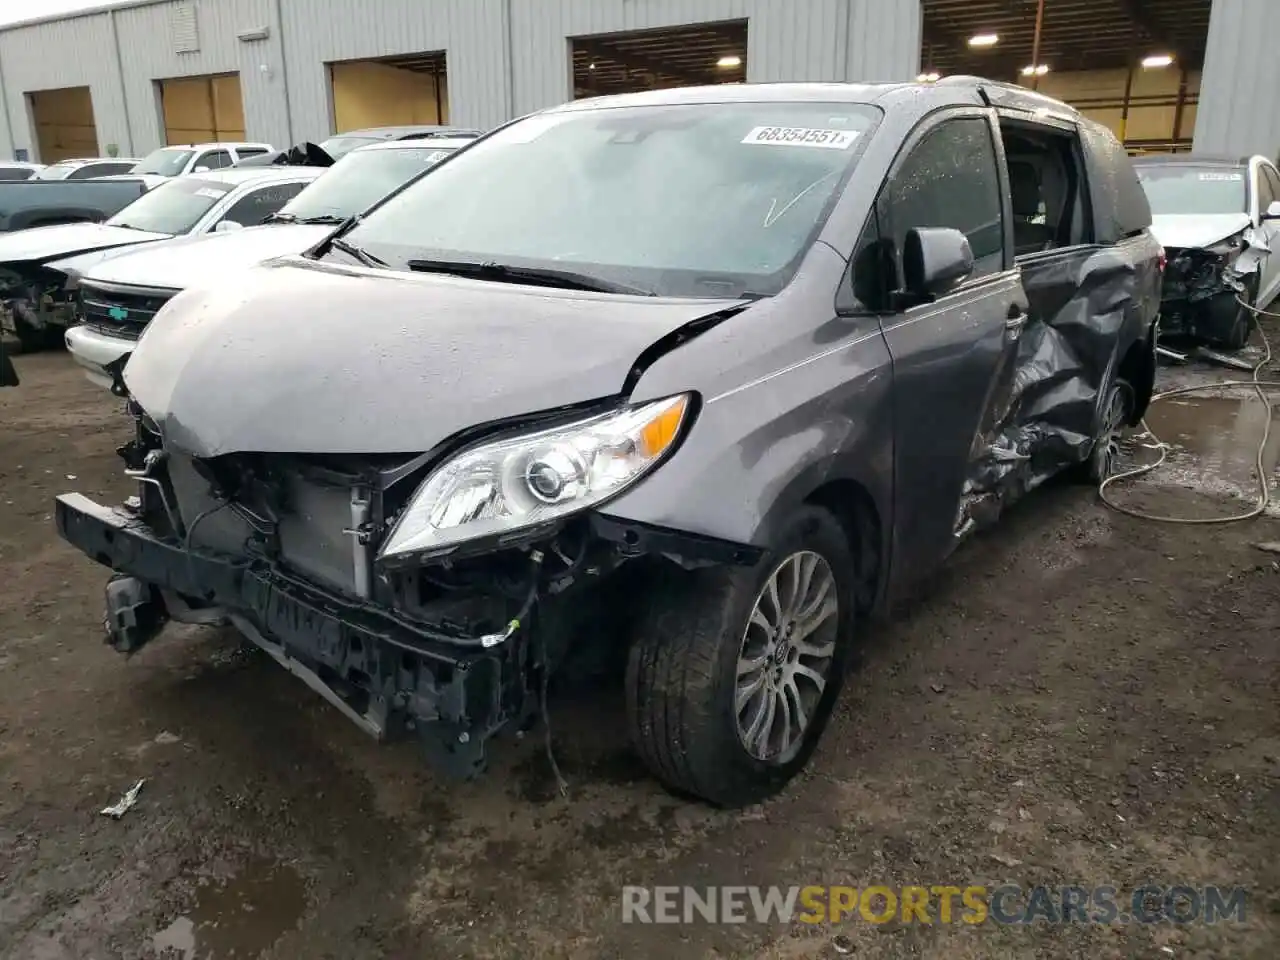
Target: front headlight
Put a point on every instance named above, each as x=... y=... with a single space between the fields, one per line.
x=523 y=481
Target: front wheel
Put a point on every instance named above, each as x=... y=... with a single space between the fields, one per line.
x=1230 y=321
x=734 y=672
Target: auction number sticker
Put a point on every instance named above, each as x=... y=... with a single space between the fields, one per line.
x=802 y=137
x=211 y=194
x=1223 y=177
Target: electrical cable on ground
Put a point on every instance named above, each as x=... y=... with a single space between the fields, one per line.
x=1259 y=387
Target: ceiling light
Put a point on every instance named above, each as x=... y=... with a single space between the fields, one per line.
x=591 y=66
x=729 y=61
x=929 y=77
x=1157 y=60
x=1038 y=70
x=984 y=40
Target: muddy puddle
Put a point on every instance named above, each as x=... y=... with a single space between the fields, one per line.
x=237 y=918
x=1213 y=443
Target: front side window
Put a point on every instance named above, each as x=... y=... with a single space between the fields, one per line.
x=165 y=162
x=358 y=181
x=215 y=160
x=705 y=200
x=257 y=205
x=1184 y=188
x=948 y=180
x=173 y=208
x=92 y=170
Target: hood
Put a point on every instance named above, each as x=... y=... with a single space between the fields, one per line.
x=188 y=261
x=1192 y=230
x=152 y=180
x=65 y=239
x=303 y=357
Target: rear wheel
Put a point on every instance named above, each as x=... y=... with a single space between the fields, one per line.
x=733 y=675
x=1117 y=407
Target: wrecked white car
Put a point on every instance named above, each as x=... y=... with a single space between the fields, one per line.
x=1218 y=221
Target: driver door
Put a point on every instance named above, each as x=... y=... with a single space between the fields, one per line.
x=1268 y=192
x=952 y=358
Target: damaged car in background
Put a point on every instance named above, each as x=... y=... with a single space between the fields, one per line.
x=116 y=297
x=550 y=401
x=1219 y=223
x=38 y=290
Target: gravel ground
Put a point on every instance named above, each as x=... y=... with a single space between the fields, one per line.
x=1081 y=697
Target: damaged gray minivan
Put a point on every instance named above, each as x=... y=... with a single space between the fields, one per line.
x=706 y=377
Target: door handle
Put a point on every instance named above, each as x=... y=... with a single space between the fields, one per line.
x=1016 y=318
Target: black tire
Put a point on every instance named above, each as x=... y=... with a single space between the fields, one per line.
x=682 y=669
x=1231 y=323
x=1116 y=409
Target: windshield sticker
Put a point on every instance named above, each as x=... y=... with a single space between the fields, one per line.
x=210 y=193
x=436 y=156
x=802 y=137
x=1223 y=177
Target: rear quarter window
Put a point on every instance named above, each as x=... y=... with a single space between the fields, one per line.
x=1120 y=207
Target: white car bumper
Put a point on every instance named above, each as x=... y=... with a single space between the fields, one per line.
x=93 y=351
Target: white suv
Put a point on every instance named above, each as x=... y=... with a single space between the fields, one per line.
x=181 y=158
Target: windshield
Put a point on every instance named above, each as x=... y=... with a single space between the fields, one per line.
x=340 y=146
x=174 y=207
x=1185 y=189
x=690 y=200
x=166 y=162
x=360 y=180
x=56 y=171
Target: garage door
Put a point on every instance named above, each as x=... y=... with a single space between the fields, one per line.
x=202 y=109
x=391 y=92
x=64 y=123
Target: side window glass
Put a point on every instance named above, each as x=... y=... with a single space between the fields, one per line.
x=1269 y=187
x=86 y=172
x=948 y=180
x=243 y=152
x=255 y=206
x=215 y=160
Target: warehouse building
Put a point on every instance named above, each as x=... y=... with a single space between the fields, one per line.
x=125 y=79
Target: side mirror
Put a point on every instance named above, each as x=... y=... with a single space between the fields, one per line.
x=1272 y=212
x=200 y=169
x=226 y=226
x=935 y=260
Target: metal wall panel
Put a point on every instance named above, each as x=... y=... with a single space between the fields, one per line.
x=78 y=52
x=504 y=57
x=149 y=52
x=472 y=33
x=786 y=39
x=1239 y=110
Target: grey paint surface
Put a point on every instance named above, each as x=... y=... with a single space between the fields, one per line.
x=505 y=57
x=1239 y=114
x=935 y=414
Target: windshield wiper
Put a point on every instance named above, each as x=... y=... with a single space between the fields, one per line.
x=506 y=273
x=281 y=218
x=360 y=253
x=321 y=218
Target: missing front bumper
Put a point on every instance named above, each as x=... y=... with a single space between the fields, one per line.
x=387 y=674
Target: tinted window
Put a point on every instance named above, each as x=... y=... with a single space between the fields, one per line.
x=250 y=151
x=256 y=205
x=948 y=180
x=173 y=207
x=692 y=199
x=214 y=160
x=361 y=179
x=1120 y=207
x=165 y=162
x=91 y=170
x=1184 y=188
x=15 y=173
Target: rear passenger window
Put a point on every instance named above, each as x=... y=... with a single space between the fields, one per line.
x=948 y=180
x=215 y=160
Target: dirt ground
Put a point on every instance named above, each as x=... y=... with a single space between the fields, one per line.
x=1081 y=698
